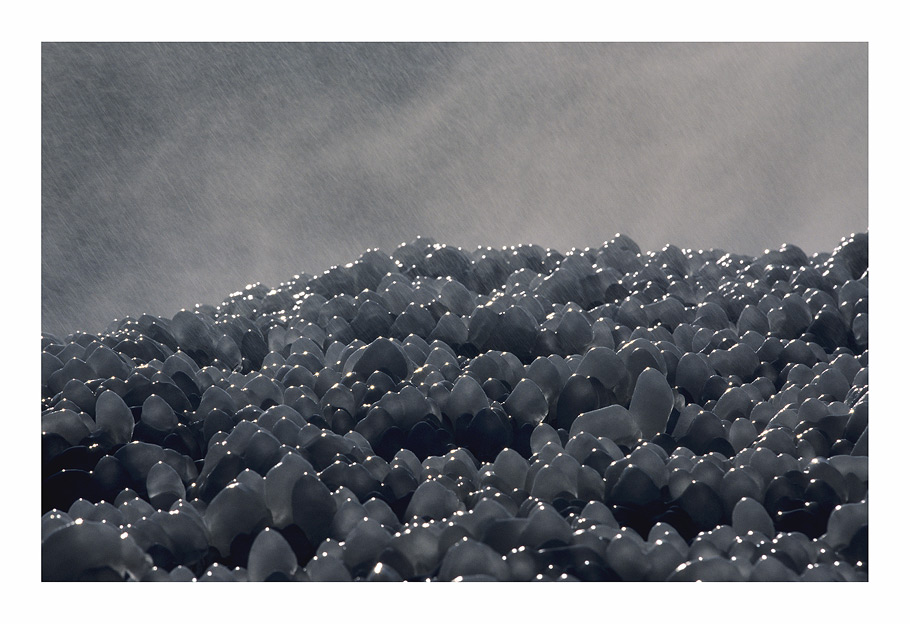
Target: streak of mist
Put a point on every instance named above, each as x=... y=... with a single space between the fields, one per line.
x=177 y=173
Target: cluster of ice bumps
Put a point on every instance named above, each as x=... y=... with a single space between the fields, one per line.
x=503 y=414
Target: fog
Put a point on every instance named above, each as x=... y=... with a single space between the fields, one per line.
x=174 y=174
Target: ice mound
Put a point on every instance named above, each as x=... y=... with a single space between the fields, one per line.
x=507 y=414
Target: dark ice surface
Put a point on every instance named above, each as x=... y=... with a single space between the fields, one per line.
x=249 y=441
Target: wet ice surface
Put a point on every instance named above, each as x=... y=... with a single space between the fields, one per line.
x=508 y=414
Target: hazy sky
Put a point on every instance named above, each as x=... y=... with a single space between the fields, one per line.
x=175 y=174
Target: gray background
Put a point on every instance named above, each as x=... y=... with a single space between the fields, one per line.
x=174 y=174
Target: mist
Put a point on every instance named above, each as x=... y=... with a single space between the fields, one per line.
x=175 y=174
